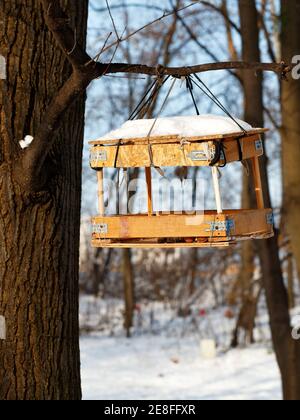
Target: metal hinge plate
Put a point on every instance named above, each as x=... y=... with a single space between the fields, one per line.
x=225 y=226
x=100 y=229
x=203 y=156
x=198 y=156
x=259 y=145
x=98 y=156
x=270 y=219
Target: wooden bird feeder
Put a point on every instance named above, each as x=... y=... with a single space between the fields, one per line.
x=215 y=228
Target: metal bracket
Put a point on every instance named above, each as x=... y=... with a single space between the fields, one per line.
x=198 y=156
x=208 y=154
x=98 y=156
x=224 y=226
x=270 y=219
x=100 y=229
x=259 y=145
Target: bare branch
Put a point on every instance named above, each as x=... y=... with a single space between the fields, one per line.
x=96 y=58
x=221 y=11
x=112 y=20
x=165 y=15
x=58 y=23
x=121 y=6
x=281 y=68
x=201 y=45
x=267 y=36
x=34 y=156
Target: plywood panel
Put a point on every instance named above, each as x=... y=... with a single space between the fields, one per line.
x=140 y=245
x=242 y=223
x=173 y=154
x=157 y=226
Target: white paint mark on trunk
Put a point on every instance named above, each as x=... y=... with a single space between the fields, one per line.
x=2 y=328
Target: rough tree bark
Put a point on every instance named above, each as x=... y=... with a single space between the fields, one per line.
x=287 y=350
x=40 y=190
x=39 y=226
x=128 y=281
x=253 y=114
x=291 y=126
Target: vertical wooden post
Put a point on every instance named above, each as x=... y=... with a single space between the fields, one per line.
x=100 y=192
x=258 y=183
x=215 y=176
x=149 y=190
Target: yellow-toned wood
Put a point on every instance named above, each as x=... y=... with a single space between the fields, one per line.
x=258 y=183
x=170 y=154
x=177 y=138
x=149 y=245
x=101 y=207
x=246 y=223
x=252 y=223
x=149 y=190
x=131 y=227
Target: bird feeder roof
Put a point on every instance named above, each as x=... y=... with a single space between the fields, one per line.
x=194 y=128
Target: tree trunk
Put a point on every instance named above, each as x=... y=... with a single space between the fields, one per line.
x=253 y=114
x=287 y=350
x=290 y=277
x=291 y=126
x=39 y=230
x=128 y=291
x=96 y=271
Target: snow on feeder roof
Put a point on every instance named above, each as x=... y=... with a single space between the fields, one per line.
x=193 y=126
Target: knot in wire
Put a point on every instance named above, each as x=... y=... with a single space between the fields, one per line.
x=160 y=72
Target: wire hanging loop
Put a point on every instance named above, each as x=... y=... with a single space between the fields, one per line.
x=220 y=148
x=190 y=88
x=207 y=92
x=149 y=98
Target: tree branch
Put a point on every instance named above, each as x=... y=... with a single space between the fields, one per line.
x=221 y=11
x=35 y=156
x=201 y=45
x=58 y=23
x=281 y=68
x=165 y=15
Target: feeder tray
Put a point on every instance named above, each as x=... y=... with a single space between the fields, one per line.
x=215 y=228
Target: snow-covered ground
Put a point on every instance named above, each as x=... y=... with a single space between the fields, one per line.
x=158 y=367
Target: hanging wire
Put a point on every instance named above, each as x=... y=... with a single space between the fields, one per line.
x=145 y=104
x=205 y=89
x=136 y=109
x=190 y=87
x=154 y=124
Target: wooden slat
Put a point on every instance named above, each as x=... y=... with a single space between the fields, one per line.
x=216 y=184
x=176 y=138
x=155 y=226
x=149 y=190
x=170 y=154
x=252 y=223
x=101 y=207
x=149 y=245
x=246 y=223
x=258 y=183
